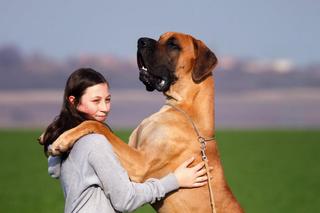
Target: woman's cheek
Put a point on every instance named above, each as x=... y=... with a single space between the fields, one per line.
x=109 y=107
x=88 y=109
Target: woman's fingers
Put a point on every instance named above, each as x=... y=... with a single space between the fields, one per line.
x=198 y=184
x=187 y=162
x=198 y=166
x=201 y=179
x=201 y=172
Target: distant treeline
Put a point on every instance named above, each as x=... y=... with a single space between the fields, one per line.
x=36 y=71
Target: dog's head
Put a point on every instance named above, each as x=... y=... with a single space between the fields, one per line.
x=173 y=57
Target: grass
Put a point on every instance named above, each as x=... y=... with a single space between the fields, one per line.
x=268 y=171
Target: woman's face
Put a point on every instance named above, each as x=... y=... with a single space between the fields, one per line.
x=96 y=102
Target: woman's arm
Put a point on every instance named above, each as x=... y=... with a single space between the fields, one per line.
x=124 y=194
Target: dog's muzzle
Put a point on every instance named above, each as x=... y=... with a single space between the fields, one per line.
x=152 y=81
x=153 y=76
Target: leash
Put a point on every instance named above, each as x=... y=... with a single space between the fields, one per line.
x=202 y=142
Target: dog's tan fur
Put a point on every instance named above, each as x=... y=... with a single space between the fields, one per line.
x=166 y=139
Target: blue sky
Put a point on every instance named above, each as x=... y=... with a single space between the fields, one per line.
x=262 y=29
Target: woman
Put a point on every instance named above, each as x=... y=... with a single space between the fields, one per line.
x=91 y=175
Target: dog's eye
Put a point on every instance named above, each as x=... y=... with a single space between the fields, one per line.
x=172 y=44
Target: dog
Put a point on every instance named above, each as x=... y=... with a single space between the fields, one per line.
x=179 y=66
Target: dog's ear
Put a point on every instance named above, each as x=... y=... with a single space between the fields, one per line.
x=205 y=61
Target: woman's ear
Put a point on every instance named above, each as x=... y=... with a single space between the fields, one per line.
x=71 y=99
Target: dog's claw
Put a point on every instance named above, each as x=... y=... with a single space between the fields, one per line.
x=54 y=151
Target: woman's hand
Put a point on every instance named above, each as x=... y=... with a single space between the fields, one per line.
x=191 y=177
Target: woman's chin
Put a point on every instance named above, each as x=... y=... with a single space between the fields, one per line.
x=101 y=118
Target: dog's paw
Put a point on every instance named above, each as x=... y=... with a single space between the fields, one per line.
x=54 y=150
x=62 y=144
x=40 y=139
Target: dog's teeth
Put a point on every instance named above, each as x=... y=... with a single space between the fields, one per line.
x=162 y=82
x=144 y=68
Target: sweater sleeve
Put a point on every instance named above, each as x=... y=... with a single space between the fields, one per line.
x=54 y=166
x=124 y=194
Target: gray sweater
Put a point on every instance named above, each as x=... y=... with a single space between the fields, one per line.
x=93 y=180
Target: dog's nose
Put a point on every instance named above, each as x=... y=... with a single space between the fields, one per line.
x=145 y=42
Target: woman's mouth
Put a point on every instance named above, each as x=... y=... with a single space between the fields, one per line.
x=101 y=117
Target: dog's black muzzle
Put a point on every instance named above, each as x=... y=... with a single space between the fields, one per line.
x=153 y=73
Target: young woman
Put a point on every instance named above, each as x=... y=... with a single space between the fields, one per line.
x=91 y=176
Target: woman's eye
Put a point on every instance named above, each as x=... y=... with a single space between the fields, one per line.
x=108 y=100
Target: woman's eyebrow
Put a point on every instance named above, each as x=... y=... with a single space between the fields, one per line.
x=96 y=97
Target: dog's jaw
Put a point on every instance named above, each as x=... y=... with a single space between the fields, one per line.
x=158 y=78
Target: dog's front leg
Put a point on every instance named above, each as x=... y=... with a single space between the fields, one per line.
x=131 y=159
x=66 y=140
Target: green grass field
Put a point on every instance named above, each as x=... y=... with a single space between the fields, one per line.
x=268 y=171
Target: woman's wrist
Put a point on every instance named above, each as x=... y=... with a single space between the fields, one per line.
x=170 y=182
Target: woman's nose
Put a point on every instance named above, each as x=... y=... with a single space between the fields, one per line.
x=104 y=107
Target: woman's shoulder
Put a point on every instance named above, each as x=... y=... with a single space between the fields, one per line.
x=93 y=141
x=93 y=136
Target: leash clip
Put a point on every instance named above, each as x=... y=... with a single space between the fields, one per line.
x=202 y=142
x=203 y=155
